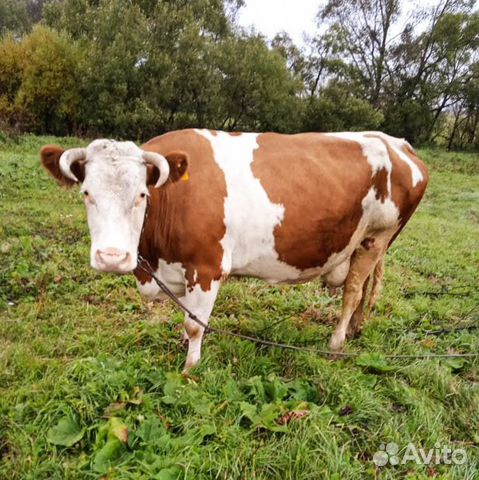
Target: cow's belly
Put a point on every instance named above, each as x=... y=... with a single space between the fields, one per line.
x=274 y=272
x=269 y=269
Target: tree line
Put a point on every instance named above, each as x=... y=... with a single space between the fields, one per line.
x=138 y=68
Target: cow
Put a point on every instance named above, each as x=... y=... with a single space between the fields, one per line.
x=202 y=205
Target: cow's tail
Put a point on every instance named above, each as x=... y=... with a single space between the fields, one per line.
x=376 y=286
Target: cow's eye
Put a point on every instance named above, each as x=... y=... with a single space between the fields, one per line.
x=85 y=193
x=139 y=199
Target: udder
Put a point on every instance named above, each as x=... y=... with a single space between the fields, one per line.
x=337 y=276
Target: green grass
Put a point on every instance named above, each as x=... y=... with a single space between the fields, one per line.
x=81 y=351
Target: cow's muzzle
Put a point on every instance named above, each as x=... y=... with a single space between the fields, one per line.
x=113 y=260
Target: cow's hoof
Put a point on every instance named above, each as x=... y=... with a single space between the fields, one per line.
x=336 y=345
x=191 y=363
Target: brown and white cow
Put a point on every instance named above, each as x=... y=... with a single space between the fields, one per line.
x=285 y=208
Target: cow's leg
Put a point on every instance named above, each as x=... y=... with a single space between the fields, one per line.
x=200 y=303
x=377 y=285
x=363 y=262
x=357 y=318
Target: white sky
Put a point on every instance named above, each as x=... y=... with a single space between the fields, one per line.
x=272 y=16
x=296 y=16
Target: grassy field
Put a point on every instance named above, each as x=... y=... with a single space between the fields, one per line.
x=90 y=383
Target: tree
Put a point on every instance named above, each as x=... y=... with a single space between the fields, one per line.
x=464 y=131
x=432 y=67
x=13 y=17
x=258 y=91
x=362 y=31
x=49 y=85
x=338 y=109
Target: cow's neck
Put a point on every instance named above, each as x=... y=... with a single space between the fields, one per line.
x=157 y=236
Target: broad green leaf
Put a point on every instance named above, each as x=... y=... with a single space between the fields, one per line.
x=368 y=380
x=256 y=388
x=111 y=451
x=266 y=417
x=150 y=429
x=248 y=410
x=374 y=362
x=170 y=473
x=118 y=429
x=65 y=433
x=455 y=363
x=303 y=390
x=201 y=405
x=194 y=436
x=275 y=388
x=231 y=391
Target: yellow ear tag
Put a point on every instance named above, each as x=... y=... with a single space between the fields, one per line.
x=185 y=177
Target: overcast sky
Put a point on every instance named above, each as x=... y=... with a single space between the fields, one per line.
x=272 y=16
x=297 y=16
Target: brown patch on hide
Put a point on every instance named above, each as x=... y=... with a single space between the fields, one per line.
x=185 y=220
x=321 y=182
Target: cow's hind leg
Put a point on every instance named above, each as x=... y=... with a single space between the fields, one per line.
x=363 y=263
x=356 y=321
x=377 y=285
x=200 y=303
x=359 y=316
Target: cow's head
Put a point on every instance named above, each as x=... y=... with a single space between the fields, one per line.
x=114 y=177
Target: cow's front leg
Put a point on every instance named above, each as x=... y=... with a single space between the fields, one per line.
x=201 y=303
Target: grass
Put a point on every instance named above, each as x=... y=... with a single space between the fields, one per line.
x=89 y=373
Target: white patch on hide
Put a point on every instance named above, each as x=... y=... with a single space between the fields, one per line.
x=373 y=149
x=171 y=274
x=397 y=144
x=250 y=216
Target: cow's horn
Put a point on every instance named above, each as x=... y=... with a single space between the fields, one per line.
x=160 y=162
x=68 y=158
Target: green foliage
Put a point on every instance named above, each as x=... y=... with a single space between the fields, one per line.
x=49 y=90
x=409 y=119
x=337 y=109
x=39 y=81
x=13 y=16
x=110 y=444
x=258 y=91
x=65 y=433
x=11 y=54
x=374 y=362
x=176 y=64
x=90 y=388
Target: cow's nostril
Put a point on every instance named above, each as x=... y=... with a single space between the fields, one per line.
x=126 y=258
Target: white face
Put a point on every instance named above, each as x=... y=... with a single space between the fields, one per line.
x=115 y=194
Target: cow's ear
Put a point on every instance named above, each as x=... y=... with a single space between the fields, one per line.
x=178 y=162
x=50 y=158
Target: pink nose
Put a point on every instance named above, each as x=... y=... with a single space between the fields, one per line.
x=112 y=259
